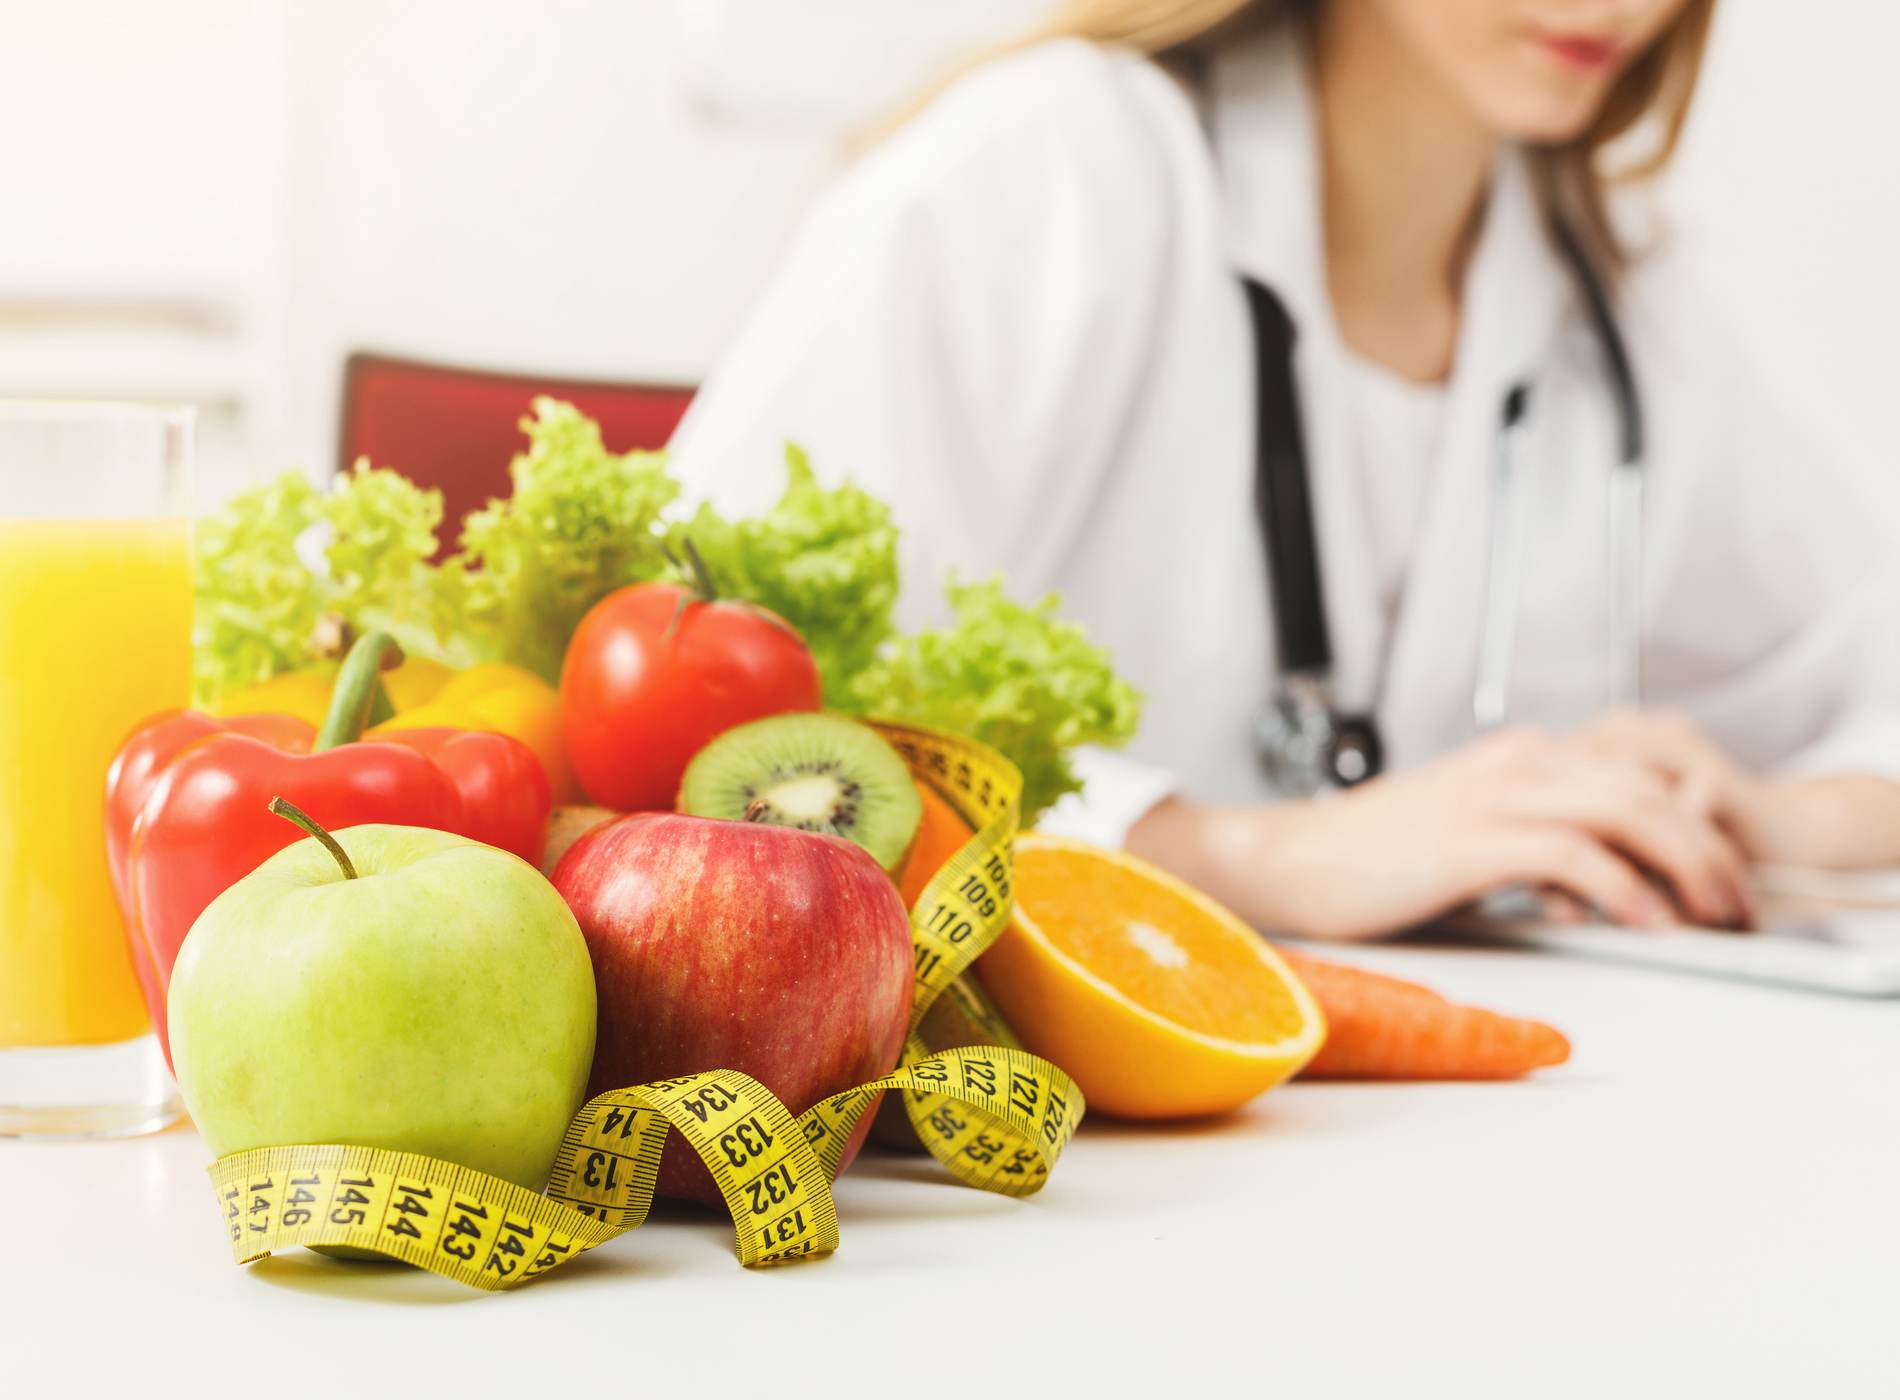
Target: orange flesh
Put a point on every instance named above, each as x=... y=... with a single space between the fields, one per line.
x=1155 y=946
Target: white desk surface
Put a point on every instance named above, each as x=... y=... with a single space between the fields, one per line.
x=1705 y=1201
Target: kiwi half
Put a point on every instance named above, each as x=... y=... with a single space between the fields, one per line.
x=814 y=772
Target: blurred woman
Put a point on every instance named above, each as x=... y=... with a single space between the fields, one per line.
x=1297 y=346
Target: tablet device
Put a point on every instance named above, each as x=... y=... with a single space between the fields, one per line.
x=1825 y=945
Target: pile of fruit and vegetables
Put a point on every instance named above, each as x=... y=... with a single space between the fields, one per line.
x=604 y=792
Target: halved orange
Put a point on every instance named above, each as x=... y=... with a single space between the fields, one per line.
x=1158 y=1001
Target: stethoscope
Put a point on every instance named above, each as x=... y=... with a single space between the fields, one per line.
x=1306 y=743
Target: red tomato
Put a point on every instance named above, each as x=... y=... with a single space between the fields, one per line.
x=640 y=696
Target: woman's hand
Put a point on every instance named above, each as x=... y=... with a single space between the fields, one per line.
x=1837 y=821
x=1702 y=778
x=1517 y=807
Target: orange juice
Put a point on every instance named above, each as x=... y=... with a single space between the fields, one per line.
x=95 y=634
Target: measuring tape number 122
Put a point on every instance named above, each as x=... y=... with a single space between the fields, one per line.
x=997 y=1117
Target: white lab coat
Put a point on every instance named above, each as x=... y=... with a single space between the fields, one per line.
x=1019 y=320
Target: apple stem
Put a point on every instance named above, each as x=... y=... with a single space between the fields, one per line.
x=755 y=811
x=296 y=815
x=359 y=689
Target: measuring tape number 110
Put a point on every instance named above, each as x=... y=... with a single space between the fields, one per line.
x=996 y=1116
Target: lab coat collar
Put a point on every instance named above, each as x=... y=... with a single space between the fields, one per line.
x=1265 y=133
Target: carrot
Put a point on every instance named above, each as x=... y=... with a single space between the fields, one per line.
x=1383 y=1028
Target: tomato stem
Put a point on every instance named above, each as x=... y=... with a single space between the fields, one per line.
x=698 y=585
x=702 y=576
x=695 y=577
x=358 y=688
x=296 y=815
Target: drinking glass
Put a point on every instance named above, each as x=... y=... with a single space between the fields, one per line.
x=95 y=635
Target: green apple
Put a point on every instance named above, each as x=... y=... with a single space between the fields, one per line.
x=436 y=999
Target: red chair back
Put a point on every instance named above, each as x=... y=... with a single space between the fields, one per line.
x=456 y=429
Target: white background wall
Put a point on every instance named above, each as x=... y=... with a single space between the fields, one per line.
x=1788 y=191
x=218 y=199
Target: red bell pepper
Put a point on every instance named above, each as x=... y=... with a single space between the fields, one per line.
x=188 y=799
x=140 y=763
x=504 y=787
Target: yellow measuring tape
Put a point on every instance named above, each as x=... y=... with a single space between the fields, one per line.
x=996 y=1116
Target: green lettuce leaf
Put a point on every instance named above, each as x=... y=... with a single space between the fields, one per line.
x=257 y=598
x=382 y=536
x=256 y=602
x=1014 y=676
x=824 y=560
x=582 y=522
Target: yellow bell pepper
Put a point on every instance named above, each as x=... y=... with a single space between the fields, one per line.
x=500 y=699
x=306 y=694
x=416 y=681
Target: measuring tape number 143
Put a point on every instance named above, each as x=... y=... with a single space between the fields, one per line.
x=996 y=1116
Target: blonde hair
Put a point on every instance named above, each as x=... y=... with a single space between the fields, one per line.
x=1573 y=178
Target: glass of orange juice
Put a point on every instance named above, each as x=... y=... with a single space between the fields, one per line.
x=95 y=635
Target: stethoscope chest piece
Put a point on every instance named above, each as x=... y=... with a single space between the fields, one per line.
x=1306 y=746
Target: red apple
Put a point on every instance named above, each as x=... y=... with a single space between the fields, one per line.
x=736 y=945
